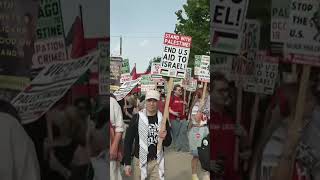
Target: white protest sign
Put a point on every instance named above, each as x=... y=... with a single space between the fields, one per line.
x=176 y=55
x=192 y=85
x=125 y=78
x=125 y=89
x=251 y=38
x=265 y=75
x=147 y=83
x=48 y=51
x=104 y=74
x=222 y=63
x=227 y=19
x=204 y=72
x=155 y=68
x=49 y=86
x=279 y=20
x=304 y=29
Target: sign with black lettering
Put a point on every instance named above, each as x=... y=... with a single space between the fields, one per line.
x=49 y=86
x=104 y=68
x=251 y=38
x=203 y=72
x=125 y=71
x=192 y=85
x=265 y=75
x=147 y=83
x=125 y=88
x=49 y=51
x=18 y=19
x=222 y=63
x=227 y=19
x=279 y=20
x=176 y=55
x=49 y=20
x=304 y=29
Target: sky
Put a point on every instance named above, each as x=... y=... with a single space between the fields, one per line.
x=95 y=16
x=142 y=24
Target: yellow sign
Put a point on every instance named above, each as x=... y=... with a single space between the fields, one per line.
x=13 y=82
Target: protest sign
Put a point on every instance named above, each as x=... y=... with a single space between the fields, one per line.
x=115 y=70
x=50 y=45
x=251 y=38
x=227 y=19
x=279 y=21
x=197 y=64
x=192 y=85
x=49 y=86
x=265 y=75
x=155 y=68
x=103 y=68
x=304 y=30
x=222 y=63
x=18 y=29
x=176 y=55
x=204 y=71
x=49 y=51
x=50 y=22
x=125 y=71
x=125 y=89
x=147 y=83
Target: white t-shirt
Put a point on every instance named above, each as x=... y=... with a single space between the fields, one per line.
x=116 y=118
x=18 y=159
x=194 y=111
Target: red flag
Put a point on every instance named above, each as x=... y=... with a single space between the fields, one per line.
x=78 y=41
x=134 y=72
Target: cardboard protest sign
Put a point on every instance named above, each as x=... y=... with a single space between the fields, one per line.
x=222 y=63
x=203 y=73
x=18 y=34
x=103 y=68
x=279 y=21
x=188 y=77
x=265 y=75
x=251 y=38
x=115 y=70
x=50 y=45
x=197 y=64
x=227 y=19
x=192 y=85
x=49 y=51
x=304 y=30
x=125 y=71
x=147 y=83
x=155 y=69
x=125 y=89
x=49 y=86
x=176 y=55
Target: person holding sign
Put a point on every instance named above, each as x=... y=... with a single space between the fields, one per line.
x=198 y=130
x=143 y=132
x=177 y=119
x=223 y=132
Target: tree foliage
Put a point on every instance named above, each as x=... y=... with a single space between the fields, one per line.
x=194 y=21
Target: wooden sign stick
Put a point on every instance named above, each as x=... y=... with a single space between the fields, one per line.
x=286 y=164
x=184 y=100
x=189 y=99
x=253 y=124
x=238 y=119
x=166 y=111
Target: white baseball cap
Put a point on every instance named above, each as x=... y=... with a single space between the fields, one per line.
x=153 y=94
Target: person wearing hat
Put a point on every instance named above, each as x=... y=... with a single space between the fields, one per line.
x=144 y=133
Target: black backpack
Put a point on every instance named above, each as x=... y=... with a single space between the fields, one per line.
x=204 y=153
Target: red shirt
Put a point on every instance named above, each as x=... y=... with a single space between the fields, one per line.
x=176 y=104
x=222 y=140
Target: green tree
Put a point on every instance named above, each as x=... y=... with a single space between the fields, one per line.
x=194 y=21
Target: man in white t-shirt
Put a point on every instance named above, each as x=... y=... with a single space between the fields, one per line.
x=18 y=158
x=116 y=131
